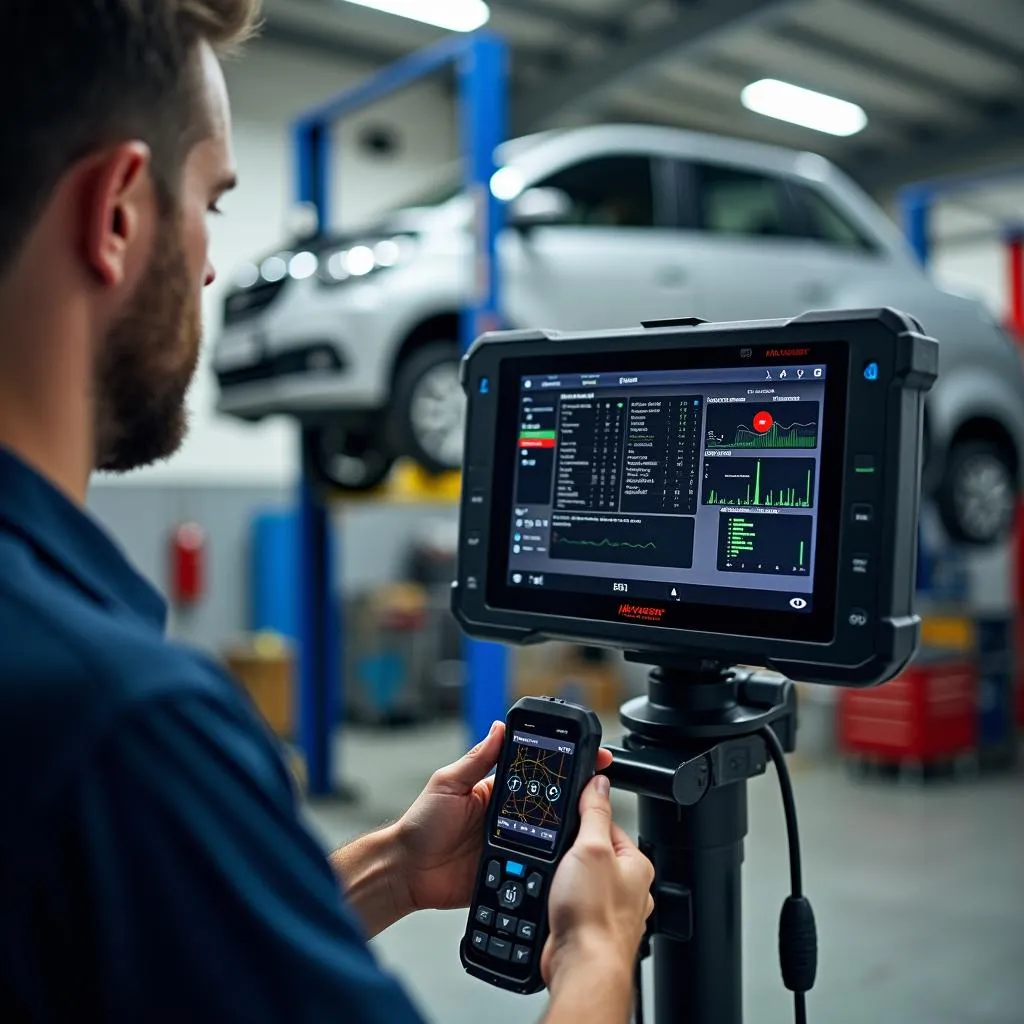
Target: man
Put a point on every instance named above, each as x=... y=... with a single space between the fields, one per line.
x=153 y=866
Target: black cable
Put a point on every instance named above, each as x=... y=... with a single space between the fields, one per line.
x=798 y=941
x=796 y=882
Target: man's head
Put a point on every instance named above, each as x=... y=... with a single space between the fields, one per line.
x=116 y=151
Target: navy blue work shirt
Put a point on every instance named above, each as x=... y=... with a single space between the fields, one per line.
x=153 y=863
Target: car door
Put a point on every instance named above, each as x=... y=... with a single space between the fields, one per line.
x=745 y=234
x=614 y=261
x=858 y=268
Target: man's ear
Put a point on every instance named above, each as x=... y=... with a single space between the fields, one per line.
x=120 y=198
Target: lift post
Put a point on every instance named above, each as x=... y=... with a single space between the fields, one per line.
x=481 y=65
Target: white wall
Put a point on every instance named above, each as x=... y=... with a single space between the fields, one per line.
x=968 y=254
x=269 y=85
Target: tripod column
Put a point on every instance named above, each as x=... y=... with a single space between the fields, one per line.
x=698 y=855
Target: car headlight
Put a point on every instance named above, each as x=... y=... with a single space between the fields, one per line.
x=336 y=266
x=273 y=270
x=331 y=266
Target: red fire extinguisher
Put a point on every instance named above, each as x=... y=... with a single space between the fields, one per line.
x=188 y=558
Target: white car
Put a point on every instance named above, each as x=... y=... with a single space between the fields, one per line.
x=607 y=226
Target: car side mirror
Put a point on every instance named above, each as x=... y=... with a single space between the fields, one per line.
x=539 y=207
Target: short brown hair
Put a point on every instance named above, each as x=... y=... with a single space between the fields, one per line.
x=82 y=74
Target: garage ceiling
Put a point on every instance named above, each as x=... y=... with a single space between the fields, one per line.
x=940 y=80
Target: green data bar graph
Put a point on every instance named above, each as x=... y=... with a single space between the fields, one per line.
x=772 y=543
x=788 y=485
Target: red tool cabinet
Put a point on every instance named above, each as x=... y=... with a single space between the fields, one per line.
x=927 y=714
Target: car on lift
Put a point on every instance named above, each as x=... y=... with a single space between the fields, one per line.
x=357 y=334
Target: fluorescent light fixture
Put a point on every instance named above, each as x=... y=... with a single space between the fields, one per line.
x=805 y=107
x=454 y=15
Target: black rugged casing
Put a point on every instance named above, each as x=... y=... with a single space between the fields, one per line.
x=526 y=982
x=875 y=630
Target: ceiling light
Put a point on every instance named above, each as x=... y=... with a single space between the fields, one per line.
x=454 y=15
x=805 y=107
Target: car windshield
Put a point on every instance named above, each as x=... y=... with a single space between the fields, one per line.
x=451 y=181
x=439 y=193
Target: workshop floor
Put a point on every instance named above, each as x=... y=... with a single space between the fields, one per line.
x=918 y=892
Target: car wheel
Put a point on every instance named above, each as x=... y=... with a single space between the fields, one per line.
x=430 y=408
x=347 y=458
x=978 y=493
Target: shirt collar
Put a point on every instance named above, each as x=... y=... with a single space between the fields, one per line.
x=67 y=536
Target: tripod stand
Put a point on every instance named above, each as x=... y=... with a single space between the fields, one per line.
x=691 y=746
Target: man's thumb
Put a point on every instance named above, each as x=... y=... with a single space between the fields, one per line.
x=596 y=810
x=476 y=762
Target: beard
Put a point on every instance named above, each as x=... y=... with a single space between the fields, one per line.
x=147 y=361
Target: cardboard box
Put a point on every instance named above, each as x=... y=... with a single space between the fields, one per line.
x=561 y=670
x=263 y=665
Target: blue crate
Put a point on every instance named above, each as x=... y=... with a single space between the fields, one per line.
x=383 y=677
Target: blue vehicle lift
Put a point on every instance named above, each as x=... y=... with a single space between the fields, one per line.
x=481 y=66
x=917 y=201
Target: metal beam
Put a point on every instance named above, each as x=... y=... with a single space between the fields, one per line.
x=411 y=69
x=959 y=32
x=633 y=112
x=326 y=43
x=998 y=140
x=666 y=95
x=865 y=60
x=693 y=29
x=569 y=18
x=334 y=45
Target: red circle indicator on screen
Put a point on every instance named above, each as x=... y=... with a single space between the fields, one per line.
x=763 y=422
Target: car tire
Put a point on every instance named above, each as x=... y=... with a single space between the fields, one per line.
x=346 y=458
x=978 y=493
x=429 y=406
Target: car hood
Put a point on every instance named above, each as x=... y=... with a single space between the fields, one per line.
x=412 y=221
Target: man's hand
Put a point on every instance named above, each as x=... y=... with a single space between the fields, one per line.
x=600 y=900
x=441 y=836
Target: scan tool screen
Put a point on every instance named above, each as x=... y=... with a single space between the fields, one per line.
x=529 y=800
x=711 y=488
